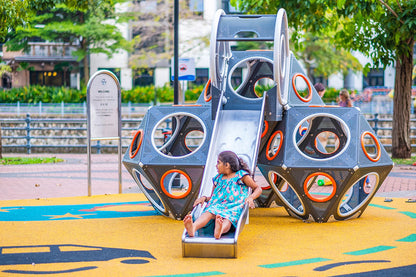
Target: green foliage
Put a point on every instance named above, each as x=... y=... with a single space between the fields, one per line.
x=13 y=13
x=36 y=94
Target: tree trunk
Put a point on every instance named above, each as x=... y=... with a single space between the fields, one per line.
x=1 y=147
x=85 y=62
x=401 y=144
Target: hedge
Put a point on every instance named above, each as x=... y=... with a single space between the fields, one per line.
x=36 y=94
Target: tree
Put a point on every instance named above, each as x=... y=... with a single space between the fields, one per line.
x=384 y=30
x=89 y=25
x=321 y=58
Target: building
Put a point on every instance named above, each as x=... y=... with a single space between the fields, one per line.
x=52 y=64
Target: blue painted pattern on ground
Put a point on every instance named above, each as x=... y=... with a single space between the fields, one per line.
x=71 y=212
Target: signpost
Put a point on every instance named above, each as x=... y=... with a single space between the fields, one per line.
x=186 y=72
x=104 y=115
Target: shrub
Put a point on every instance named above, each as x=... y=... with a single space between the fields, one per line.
x=36 y=94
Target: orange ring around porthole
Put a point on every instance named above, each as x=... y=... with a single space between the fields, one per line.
x=305 y=187
x=270 y=141
x=206 y=98
x=266 y=128
x=139 y=132
x=296 y=91
x=377 y=145
x=171 y=195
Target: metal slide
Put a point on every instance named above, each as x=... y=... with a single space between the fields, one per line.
x=238 y=131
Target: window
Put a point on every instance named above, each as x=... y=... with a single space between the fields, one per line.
x=320 y=79
x=374 y=78
x=49 y=78
x=202 y=76
x=143 y=77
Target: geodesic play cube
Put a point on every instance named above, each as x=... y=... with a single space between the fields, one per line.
x=324 y=162
x=167 y=156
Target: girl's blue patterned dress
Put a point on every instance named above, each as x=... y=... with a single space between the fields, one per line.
x=228 y=197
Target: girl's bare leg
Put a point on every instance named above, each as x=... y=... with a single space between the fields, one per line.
x=222 y=226
x=192 y=227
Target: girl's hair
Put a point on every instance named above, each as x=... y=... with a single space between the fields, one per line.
x=345 y=93
x=235 y=162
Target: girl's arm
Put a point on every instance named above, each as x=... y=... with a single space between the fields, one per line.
x=256 y=190
x=203 y=199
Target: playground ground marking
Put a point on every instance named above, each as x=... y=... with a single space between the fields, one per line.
x=381 y=206
x=370 y=250
x=298 y=262
x=410 y=214
x=200 y=274
x=410 y=238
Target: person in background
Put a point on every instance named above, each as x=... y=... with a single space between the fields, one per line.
x=344 y=99
x=320 y=88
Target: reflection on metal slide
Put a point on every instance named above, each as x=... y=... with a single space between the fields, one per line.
x=238 y=131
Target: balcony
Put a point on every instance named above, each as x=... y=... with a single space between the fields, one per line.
x=43 y=52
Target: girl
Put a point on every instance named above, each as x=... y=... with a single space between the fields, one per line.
x=230 y=193
x=344 y=99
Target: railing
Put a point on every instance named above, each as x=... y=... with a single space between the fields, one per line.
x=127 y=109
x=25 y=134
x=381 y=126
x=72 y=132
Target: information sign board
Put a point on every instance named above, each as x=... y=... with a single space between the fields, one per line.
x=104 y=105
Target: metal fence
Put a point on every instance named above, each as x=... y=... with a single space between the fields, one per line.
x=64 y=134
x=63 y=109
x=68 y=135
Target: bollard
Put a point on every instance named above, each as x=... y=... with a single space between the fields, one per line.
x=28 y=133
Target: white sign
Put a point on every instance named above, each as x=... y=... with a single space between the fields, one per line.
x=104 y=105
x=186 y=69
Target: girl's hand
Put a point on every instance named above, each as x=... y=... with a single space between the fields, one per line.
x=200 y=200
x=250 y=202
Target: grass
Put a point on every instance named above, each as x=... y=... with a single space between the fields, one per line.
x=410 y=161
x=34 y=160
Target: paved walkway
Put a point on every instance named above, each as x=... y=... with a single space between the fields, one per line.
x=69 y=178
x=49 y=233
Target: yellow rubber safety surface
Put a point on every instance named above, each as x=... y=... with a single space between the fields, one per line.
x=71 y=243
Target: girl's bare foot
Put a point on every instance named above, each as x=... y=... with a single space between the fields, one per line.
x=218 y=226
x=189 y=225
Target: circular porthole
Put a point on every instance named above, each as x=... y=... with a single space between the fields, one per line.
x=286 y=193
x=358 y=194
x=176 y=184
x=325 y=136
x=274 y=145
x=370 y=146
x=262 y=85
x=147 y=188
x=320 y=187
x=251 y=77
x=193 y=140
x=302 y=87
x=178 y=135
x=327 y=142
x=136 y=143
